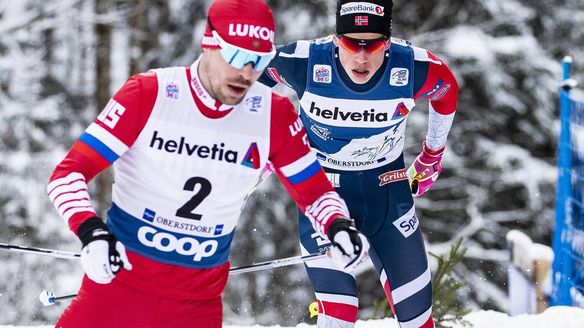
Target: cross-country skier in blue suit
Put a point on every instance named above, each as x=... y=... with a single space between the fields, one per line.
x=356 y=89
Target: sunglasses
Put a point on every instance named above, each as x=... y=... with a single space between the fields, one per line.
x=354 y=46
x=239 y=57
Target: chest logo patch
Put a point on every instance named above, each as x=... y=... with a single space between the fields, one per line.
x=172 y=91
x=399 y=76
x=322 y=74
x=254 y=104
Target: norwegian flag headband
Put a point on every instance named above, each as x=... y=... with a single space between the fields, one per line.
x=364 y=17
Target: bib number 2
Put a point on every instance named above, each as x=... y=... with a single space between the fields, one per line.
x=186 y=211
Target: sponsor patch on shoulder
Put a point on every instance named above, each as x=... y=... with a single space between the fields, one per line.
x=322 y=74
x=172 y=91
x=399 y=76
x=254 y=104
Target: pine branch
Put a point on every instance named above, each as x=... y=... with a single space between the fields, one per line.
x=446 y=308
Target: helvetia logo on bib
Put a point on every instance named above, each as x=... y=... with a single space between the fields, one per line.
x=218 y=152
x=366 y=115
x=183 y=146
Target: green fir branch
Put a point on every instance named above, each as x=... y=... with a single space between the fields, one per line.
x=446 y=308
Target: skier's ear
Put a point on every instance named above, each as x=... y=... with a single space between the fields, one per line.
x=387 y=44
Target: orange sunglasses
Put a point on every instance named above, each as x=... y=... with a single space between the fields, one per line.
x=354 y=46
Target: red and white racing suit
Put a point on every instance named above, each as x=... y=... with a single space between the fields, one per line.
x=184 y=164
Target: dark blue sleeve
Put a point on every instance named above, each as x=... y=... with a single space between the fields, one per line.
x=287 y=68
x=420 y=75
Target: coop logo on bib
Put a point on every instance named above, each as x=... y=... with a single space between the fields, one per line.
x=169 y=243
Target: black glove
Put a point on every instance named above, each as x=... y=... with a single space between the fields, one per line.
x=102 y=256
x=350 y=247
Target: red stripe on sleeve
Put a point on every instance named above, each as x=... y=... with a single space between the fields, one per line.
x=91 y=155
x=445 y=98
x=73 y=200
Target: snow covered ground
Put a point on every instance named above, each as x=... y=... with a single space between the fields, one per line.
x=557 y=317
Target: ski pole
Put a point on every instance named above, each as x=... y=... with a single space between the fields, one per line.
x=247 y=268
x=36 y=250
x=276 y=263
x=48 y=298
x=70 y=255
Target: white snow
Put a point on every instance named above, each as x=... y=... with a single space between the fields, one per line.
x=557 y=316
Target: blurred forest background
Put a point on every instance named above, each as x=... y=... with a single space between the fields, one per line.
x=61 y=60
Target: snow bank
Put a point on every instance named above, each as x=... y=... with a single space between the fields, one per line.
x=557 y=316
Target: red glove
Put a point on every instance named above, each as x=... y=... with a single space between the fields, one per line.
x=425 y=170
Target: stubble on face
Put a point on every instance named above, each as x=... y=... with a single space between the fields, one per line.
x=224 y=82
x=234 y=89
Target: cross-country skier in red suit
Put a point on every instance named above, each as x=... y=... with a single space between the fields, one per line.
x=187 y=145
x=356 y=89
